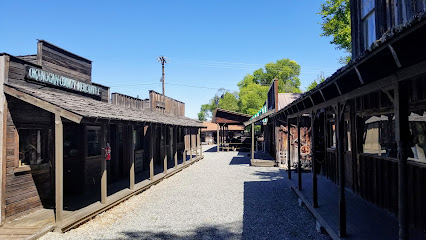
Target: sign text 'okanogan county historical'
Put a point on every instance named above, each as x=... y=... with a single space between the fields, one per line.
x=39 y=75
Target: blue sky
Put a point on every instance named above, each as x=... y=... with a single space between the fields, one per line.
x=210 y=44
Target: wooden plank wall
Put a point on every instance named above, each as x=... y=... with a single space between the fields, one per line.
x=129 y=102
x=104 y=92
x=29 y=58
x=168 y=105
x=16 y=70
x=59 y=61
x=21 y=191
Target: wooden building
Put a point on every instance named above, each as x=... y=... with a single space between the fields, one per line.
x=209 y=134
x=65 y=147
x=224 y=119
x=274 y=134
x=368 y=118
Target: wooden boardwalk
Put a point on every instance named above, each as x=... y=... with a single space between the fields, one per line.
x=262 y=159
x=30 y=226
x=364 y=220
x=36 y=224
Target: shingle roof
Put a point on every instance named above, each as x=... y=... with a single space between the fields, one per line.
x=91 y=108
x=285 y=99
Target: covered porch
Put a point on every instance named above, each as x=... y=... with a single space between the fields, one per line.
x=97 y=155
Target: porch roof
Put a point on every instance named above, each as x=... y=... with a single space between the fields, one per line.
x=398 y=55
x=72 y=106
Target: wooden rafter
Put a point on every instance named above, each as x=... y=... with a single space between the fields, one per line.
x=395 y=56
x=359 y=76
x=338 y=88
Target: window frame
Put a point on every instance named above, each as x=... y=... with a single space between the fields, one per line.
x=92 y=128
x=363 y=19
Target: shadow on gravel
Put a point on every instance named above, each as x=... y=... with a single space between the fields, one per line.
x=213 y=149
x=275 y=175
x=212 y=232
x=271 y=211
x=239 y=160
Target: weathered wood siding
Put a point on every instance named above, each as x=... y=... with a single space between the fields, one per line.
x=59 y=61
x=21 y=191
x=29 y=58
x=130 y=102
x=166 y=104
x=104 y=92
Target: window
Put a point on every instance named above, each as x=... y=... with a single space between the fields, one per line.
x=332 y=134
x=403 y=11
x=137 y=139
x=423 y=6
x=93 y=144
x=417 y=123
x=379 y=135
x=368 y=19
x=72 y=140
x=32 y=146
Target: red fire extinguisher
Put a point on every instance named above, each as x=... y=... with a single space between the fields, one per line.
x=108 y=152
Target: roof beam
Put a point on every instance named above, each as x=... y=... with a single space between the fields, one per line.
x=359 y=76
x=395 y=56
x=312 y=100
x=42 y=104
x=338 y=88
x=322 y=94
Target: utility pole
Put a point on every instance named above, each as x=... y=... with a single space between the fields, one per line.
x=163 y=60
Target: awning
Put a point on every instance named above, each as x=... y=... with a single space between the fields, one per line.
x=259 y=117
x=75 y=107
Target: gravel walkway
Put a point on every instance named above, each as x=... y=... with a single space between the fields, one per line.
x=219 y=197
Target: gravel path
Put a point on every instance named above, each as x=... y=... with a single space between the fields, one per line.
x=219 y=197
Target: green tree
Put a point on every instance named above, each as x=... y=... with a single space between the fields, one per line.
x=336 y=23
x=202 y=116
x=320 y=78
x=229 y=101
x=252 y=98
x=222 y=99
x=285 y=70
x=254 y=88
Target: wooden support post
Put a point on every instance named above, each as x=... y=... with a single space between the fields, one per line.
x=103 y=142
x=175 y=133
x=354 y=150
x=326 y=143
x=196 y=142
x=288 y=148
x=313 y=159
x=252 y=142
x=201 y=145
x=164 y=138
x=185 y=148
x=299 y=162
x=151 y=151
x=132 y=156
x=4 y=70
x=341 y=164
x=218 y=138
x=191 y=142
x=171 y=138
x=401 y=91
x=59 y=170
